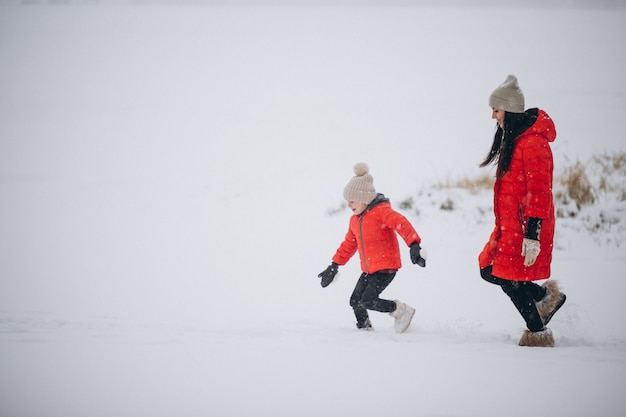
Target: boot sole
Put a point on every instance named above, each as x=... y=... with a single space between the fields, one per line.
x=562 y=299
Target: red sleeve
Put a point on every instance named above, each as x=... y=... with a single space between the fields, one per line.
x=538 y=166
x=401 y=225
x=346 y=250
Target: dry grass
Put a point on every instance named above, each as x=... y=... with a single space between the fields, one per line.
x=611 y=165
x=575 y=185
x=473 y=185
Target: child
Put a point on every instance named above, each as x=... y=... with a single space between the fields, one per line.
x=372 y=231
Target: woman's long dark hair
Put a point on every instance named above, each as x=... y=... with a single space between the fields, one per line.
x=504 y=140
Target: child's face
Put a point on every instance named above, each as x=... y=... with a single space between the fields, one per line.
x=357 y=208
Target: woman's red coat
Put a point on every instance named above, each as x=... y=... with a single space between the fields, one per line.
x=524 y=191
x=373 y=234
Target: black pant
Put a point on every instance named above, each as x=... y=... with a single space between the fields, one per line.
x=523 y=294
x=366 y=292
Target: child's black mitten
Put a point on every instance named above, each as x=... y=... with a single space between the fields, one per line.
x=416 y=257
x=328 y=275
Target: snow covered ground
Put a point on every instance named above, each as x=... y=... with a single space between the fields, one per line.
x=170 y=187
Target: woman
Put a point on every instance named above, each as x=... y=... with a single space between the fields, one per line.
x=519 y=250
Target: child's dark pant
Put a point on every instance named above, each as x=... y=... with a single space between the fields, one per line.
x=523 y=294
x=366 y=295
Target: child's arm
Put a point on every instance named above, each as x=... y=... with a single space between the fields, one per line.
x=346 y=250
x=403 y=227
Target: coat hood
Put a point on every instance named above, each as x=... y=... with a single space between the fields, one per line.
x=379 y=199
x=543 y=125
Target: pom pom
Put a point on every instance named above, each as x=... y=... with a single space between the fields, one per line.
x=361 y=169
x=510 y=80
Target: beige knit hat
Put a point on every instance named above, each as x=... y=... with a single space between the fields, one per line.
x=361 y=187
x=508 y=96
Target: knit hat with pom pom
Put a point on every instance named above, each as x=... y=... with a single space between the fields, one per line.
x=508 y=96
x=361 y=187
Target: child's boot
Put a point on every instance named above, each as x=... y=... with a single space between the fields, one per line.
x=542 y=338
x=366 y=325
x=551 y=302
x=403 y=315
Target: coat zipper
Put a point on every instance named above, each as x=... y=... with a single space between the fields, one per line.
x=367 y=267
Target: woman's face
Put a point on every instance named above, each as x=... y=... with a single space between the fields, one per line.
x=357 y=208
x=498 y=115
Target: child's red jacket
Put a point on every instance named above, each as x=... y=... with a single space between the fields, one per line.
x=373 y=234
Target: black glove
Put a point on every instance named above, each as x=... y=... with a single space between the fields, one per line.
x=328 y=275
x=416 y=258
